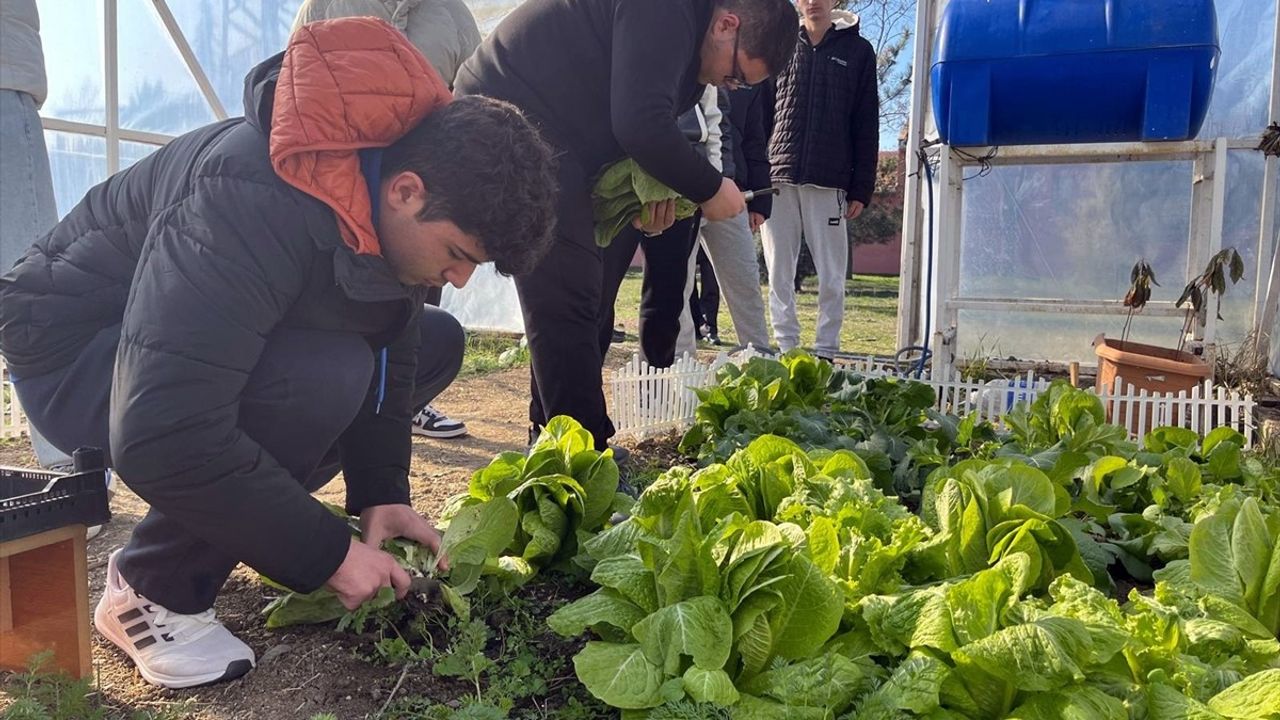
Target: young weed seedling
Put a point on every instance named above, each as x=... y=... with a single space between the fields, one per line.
x=41 y=695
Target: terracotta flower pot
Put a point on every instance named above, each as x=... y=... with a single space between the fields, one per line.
x=1157 y=370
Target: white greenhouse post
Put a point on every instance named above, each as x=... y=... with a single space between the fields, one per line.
x=111 y=83
x=1208 y=198
x=1216 y=212
x=948 y=223
x=189 y=58
x=913 y=216
x=1202 y=186
x=1267 y=289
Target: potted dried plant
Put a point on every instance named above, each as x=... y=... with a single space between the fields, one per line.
x=1160 y=369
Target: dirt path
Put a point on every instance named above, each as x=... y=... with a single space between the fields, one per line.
x=306 y=671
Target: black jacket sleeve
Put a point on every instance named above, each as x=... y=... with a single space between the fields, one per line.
x=768 y=106
x=206 y=295
x=650 y=56
x=755 y=148
x=864 y=124
x=376 y=447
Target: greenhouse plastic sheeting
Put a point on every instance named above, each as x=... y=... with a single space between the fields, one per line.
x=1241 y=93
x=488 y=302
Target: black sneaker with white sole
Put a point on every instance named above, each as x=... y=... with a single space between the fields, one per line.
x=430 y=422
x=169 y=649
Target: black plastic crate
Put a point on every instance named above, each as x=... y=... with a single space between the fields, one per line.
x=32 y=501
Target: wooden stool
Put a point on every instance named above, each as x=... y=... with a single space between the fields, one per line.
x=44 y=601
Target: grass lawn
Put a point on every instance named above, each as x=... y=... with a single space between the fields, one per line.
x=870 y=315
x=486 y=352
x=870 y=322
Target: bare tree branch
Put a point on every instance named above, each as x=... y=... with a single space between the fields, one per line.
x=889 y=26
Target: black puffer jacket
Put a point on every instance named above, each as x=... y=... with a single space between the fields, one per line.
x=199 y=251
x=826 y=115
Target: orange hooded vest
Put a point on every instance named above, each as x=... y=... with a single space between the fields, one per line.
x=345 y=85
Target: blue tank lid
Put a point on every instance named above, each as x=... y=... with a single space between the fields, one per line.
x=986 y=29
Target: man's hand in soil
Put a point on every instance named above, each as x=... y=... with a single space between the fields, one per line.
x=383 y=522
x=726 y=203
x=364 y=572
x=367 y=569
x=662 y=215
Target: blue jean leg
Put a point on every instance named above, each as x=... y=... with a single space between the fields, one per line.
x=27 y=206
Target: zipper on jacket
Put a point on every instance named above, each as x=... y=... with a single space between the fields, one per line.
x=808 y=112
x=382 y=381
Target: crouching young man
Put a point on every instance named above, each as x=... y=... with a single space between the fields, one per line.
x=239 y=316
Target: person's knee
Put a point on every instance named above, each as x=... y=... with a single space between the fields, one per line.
x=325 y=374
x=352 y=354
x=442 y=344
x=306 y=388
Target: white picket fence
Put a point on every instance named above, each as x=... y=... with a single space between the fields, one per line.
x=1201 y=410
x=648 y=400
x=13 y=423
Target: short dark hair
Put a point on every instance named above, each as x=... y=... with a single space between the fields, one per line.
x=488 y=170
x=768 y=30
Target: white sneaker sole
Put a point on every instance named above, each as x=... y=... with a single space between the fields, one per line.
x=440 y=434
x=234 y=670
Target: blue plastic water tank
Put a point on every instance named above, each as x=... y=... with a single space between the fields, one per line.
x=1019 y=72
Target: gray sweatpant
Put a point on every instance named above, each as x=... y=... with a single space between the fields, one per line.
x=817 y=213
x=732 y=250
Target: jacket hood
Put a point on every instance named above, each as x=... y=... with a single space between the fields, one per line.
x=340 y=86
x=844 y=19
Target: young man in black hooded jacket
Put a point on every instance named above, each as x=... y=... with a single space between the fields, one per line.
x=823 y=154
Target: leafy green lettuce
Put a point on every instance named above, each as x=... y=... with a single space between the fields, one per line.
x=622 y=193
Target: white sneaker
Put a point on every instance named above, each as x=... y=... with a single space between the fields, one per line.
x=169 y=649
x=433 y=423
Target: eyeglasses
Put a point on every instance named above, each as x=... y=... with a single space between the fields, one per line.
x=737 y=81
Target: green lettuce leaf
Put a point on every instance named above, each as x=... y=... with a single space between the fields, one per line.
x=713 y=686
x=1256 y=697
x=620 y=675
x=699 y=628
x=602 y=607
